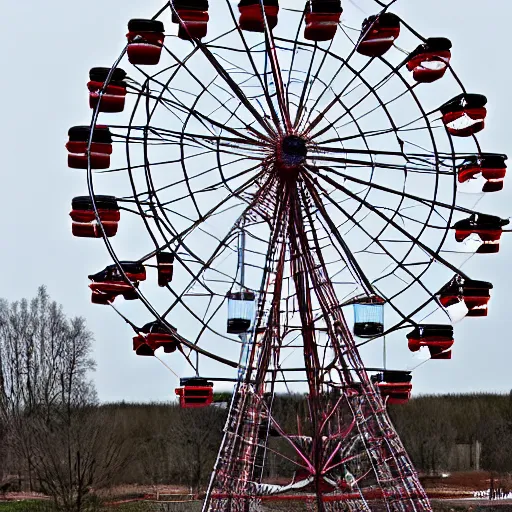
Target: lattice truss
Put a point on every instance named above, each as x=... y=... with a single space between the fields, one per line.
x=313 y=177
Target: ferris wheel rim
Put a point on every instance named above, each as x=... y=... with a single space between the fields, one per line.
x=447 y=229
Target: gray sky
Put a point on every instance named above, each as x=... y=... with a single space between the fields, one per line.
x=49 y=48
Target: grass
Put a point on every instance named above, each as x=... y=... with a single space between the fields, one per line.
x=26 y=506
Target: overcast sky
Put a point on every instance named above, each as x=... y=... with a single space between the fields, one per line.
x=48 y=50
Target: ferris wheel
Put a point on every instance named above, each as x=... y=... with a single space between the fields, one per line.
x=285 y=174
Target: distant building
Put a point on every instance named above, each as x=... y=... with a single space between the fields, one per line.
x=465 y=457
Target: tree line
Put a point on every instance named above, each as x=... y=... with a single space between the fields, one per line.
x=430 y=426
x=55 y=437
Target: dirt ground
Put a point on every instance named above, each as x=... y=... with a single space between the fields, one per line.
x=451 y=493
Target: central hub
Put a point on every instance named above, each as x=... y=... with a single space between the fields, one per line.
x=292 y=151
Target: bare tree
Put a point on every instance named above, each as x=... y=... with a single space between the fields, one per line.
x=195 y=435
x=44 y=356
x=48 y=402
x=77 y=451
